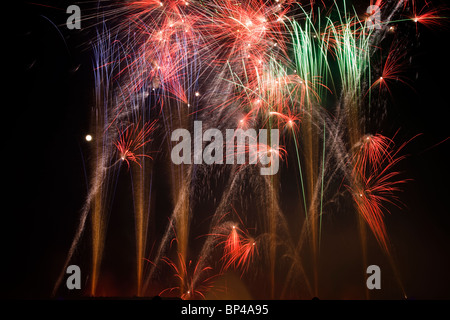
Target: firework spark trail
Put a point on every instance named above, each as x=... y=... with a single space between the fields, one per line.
x=333 y=166
x=188 y=288
x=359 y=67
x=95 y=188
x=233 y=190
x=169 y=60
x=104 y=174
x=126 y=141
x=167 y=237
x=349 y=82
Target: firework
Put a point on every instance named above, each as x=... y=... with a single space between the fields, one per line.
x=263 y=67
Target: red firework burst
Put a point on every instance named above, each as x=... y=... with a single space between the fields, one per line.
x=239 y=248
x=371 y=198
x=392 y=70
x=376 y=182
x=131 y=139
x=245 y=29
x=187 y=274
x=429 y=17
x=370 y=152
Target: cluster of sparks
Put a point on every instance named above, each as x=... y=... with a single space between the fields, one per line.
x=272 y=62
x=131 y=139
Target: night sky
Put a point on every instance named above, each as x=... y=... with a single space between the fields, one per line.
x=46 y=156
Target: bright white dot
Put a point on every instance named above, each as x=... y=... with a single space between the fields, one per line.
x=360 y=195
x=188 y=104
x=234 y=227
x=381 y=78
x=197 y=94
x=88 y=137
x=416 y=20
